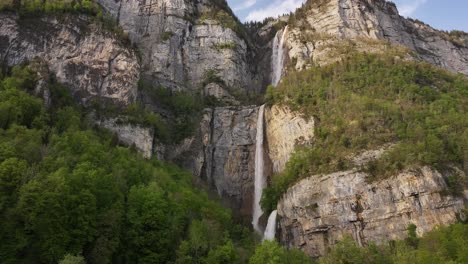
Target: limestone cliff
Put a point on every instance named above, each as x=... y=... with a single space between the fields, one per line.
x=131 y=135
x=319 y=28
x=318 y=211
x=184 y=41
x=285 y=130
x=222 y=151
x=89 y=60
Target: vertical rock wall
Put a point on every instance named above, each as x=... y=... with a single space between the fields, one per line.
x=89 y=60
x=318 y=211
x=181 y=42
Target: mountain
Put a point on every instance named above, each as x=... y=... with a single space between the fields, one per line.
x=362 y=133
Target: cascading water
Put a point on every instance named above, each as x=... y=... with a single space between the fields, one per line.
x=260 y=180
x=277 y=59
x=270 y=230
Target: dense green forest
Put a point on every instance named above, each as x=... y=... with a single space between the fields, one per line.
x=367 y=101
x=67 y=190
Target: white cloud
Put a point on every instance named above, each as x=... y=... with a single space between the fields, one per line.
x=245 y=5
x=407 y=8
x=277 y=7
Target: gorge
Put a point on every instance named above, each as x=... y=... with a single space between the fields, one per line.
x=249 y=109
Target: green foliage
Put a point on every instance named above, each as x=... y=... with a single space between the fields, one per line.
x=222 y=13
x=442 y=245
x=35 y=7
x=412 y=239
x=167 y=35
x=270 y=252
x=367 y=101
x=68 y=195
x=16 y=106
x=185 y=108
x=225 y=45
x=71 y=259
x=59 y=8
x=137 y=115
x=211 y=76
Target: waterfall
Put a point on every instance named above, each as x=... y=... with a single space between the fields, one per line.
x=260 y=180
x=270 y=230
x=277 y=59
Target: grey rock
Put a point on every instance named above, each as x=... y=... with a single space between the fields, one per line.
x=327 y=23
x=128 y=134
x=217 y=91
x=222 y=154
x=180 y=45
x=92 y=62
x=318 y=211
x=285 y=129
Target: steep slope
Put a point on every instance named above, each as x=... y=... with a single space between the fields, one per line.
x=319 y=211
x=319 y=27
x=183 y=41
x=389 y=151
x=80 y=53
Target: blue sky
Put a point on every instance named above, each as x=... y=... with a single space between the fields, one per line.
x=441 y=14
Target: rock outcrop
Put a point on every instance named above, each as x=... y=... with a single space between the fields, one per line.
x=320 y=27
x=318 y=211
x=131 y=135
x=285 y=130
x=83 y=56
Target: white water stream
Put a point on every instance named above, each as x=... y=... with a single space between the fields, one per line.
x=277 y=59
x=260 y=181
x=270 y=230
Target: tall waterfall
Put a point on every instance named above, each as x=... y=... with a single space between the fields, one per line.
x=270 y=230
x=277 y=59
x=260 y=180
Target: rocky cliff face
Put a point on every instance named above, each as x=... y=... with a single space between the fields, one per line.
x=222 y=152
x=89 y=60
x=318 y=211
x=320 y=27
x=285 y=130
x=183 y=41
x=132 y=135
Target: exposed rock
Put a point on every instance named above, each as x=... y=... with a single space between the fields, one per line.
x=180 y=43
x=140 y=137
x=370 y=155
x=318 y=211
x=92 y=62
x=215 y=90
x=222 y=153
x=285 y=129
x=230 y=155
x=328 y=22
